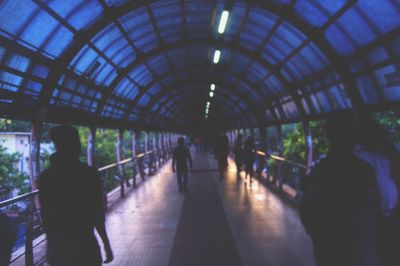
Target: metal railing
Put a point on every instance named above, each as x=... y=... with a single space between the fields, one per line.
x=30 y=233
x=284 y=174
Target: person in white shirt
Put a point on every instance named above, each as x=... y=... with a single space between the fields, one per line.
x=375 y=147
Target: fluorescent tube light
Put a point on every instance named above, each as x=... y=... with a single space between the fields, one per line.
x=223 y=21
x=217 y=56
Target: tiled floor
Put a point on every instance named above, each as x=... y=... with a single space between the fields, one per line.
x=266 y=230
x=219 y=222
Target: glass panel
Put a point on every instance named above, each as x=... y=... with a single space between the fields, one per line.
x=14 y=14
x=86 y=14
x=367 y=89
x=389 y=81
x=10 y=81
x=17 y=62
x=58 y=41
x=339 y=39
x=39 y=29
x=377 y=55
x=383 y=14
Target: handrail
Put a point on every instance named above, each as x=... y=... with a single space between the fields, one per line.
x=18 y=198
x=35 y=192
x=124 y=161
x=282 y=159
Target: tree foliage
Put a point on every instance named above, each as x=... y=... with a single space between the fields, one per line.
x=391 y=122
x=295 y=143
x=10 y=177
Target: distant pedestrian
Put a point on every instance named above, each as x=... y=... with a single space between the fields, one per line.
x=249 y=156
x=71 y=197
x=238 y=152
x=181 y=162
x=8 y=236
x=221 y=153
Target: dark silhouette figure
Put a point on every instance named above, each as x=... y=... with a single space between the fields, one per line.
x=71 y=198
x=181 y=162
x=249 y=157
x=8 y=235
x=238 y=152
x=376 y=148
x=221 y=153
x=340 y=202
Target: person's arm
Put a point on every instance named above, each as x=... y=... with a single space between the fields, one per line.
x=173 y=161
x=189 y=157
x=100 y=218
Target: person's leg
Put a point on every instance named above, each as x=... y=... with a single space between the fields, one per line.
x=251 y=171
x=179 y=177
x=185 y=180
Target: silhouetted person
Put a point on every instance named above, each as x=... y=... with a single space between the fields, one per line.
x=238 y=152
x=340 y=202
x=221 y=153
x=71 y=198
x=376 y=148
x=8 y=235
x=249 y=157
x=181 y=162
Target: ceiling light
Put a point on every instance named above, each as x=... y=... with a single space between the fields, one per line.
x=223 y=21
x=217 y=56
x=212 y=87
x=211 y=94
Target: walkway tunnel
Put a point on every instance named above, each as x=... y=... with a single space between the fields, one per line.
x=154 y=71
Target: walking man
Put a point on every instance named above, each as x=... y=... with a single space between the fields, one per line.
x=180 y=162
x=71 y=197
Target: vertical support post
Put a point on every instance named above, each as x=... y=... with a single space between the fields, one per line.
x=34 y=172
x=243 y=131
x=162 y=147
x=155 y=150
x=120 y=158
x=252 y=132
x=146 y=150
x=159 y=148
x=263 y=147
x=134 y=158
x=169 y=142
x=91 y=146
x=139 y=161
x=309 y=145
x=34 y=154
x=280 y=150
x=29 y=261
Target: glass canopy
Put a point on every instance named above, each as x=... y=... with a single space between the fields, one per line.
x=149 y=63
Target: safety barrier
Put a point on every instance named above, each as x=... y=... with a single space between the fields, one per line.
x=283 y=174
x=31 y=236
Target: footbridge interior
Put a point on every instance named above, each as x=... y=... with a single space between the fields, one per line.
x=162 y=69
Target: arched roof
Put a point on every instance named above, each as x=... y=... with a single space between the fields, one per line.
x=148 y=64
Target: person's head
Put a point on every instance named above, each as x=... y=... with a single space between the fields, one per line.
x=371 y=135
x=181 y=141
x=341 y=132
x=66 y=139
